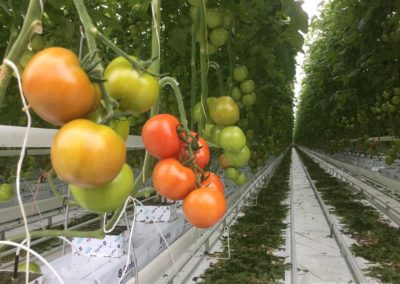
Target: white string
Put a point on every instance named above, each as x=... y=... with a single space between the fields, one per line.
x=130 y=240
x=41 y=258
x=21 y=159
x=117 y=221
x=159 y=231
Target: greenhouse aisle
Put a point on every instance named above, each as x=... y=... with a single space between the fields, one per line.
x=317 y=254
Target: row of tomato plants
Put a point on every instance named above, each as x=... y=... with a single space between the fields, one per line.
x=96 y=108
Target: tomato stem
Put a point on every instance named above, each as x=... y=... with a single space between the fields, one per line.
x=155 y=67
x=216 y=67
x=31 y=25
x=203 y=60
x=193 y=90
x=57 y=194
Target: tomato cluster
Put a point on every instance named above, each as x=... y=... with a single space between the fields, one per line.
x=175 y=174
x=218 y=22
x=243 y=91
x=88 y=155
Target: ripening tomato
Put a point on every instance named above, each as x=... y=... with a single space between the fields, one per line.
x=56 y=87
x=223 y=162
x=212 y=180
x=224 y=111
x=107 y=197
x=135 y=91
x=204 y=207
x=160 y=137
x=173 y=180
x=201 y=156
x=87 y=154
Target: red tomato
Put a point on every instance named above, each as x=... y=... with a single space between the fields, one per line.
x=160 y=136
x=212 y=180
x=173 y=180
x=204 y=207
x=201 y=156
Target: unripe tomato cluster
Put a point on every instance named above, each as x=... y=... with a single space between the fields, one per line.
x=220 y=130
x=87 y=155
x=243 y=91
x=218 y=22
x=174 y=176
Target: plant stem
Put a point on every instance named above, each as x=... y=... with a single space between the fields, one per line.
x=98 y=234
x=155 y=68
x=58 y=195
x=193 y=90
x=32 y=24
x=203 y=60
x=215 y=66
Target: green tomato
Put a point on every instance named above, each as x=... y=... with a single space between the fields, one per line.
x=240 y=73
x=211 y=101
x=33 y=267
x=227 y=19
x=231 y=173
x=395 y=100
x=236 y=93
x=249 y=99
x=197 y=113
x=218 y=36
x=37 y=43
x=206 y=133
x=247 y=86
x=214 y=18
x=224 y=112
x=215 y=135
x=250 y=134
x=121 y=127
x=238 y=159
x=193 y=13
x=6 y=192
x=211 y=49
x=107 y=197
x=134 y=90
x=241 y=179
x=232 y=139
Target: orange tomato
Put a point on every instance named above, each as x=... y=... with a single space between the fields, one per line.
x=204 y=207
x=56 y=86
x=173 y=180
x=212 y=180
x=87 y=154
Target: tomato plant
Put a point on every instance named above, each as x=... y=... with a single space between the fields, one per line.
x=134 y=90
x=87 y=154
x=212 y=180
x=57 y=88
x=160 y=136
x=224 y=111
x=107 y=197
x=173 y=180
x=204 y=207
